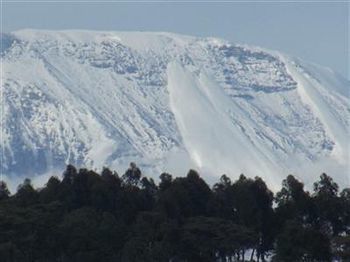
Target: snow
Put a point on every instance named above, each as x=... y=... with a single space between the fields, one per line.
x=314 y=95
x=212 y=140
x=169 y=102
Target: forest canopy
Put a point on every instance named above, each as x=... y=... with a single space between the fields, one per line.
x=87 y=216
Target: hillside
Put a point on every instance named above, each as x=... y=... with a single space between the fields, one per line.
x=107 y=98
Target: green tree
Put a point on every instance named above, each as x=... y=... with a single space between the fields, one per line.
x=151 y=238
x=132 y=176
x=329 y=206
x=165 y=181
x=252 y=208
x=51 y=191
x=222 y=203
x=26 y=194
x=299 y=243
x=294 y=203
x=214 y=239
x=4 y=192
x=187 y=196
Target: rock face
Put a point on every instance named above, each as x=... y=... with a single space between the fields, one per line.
x=168 y=102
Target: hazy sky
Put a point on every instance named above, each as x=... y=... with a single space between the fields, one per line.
x=317 y=32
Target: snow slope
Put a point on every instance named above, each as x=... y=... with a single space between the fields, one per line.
x=168 y=102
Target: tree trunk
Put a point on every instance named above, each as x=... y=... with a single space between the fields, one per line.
x=252 y=255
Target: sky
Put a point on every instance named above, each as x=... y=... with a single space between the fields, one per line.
x=315 y=31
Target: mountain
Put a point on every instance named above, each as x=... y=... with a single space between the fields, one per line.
x=168 y=102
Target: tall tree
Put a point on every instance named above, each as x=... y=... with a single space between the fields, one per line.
x=132 y=175
x=329 y=205
x=4 y=192
x=26 y=194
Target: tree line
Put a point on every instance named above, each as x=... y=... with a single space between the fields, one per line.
x=88 y=216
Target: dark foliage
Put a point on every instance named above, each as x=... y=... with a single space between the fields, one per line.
x=88 y=216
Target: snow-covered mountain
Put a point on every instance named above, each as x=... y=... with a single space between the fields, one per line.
x=168 y=102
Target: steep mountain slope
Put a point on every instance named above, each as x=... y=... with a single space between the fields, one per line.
x=166 y=100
